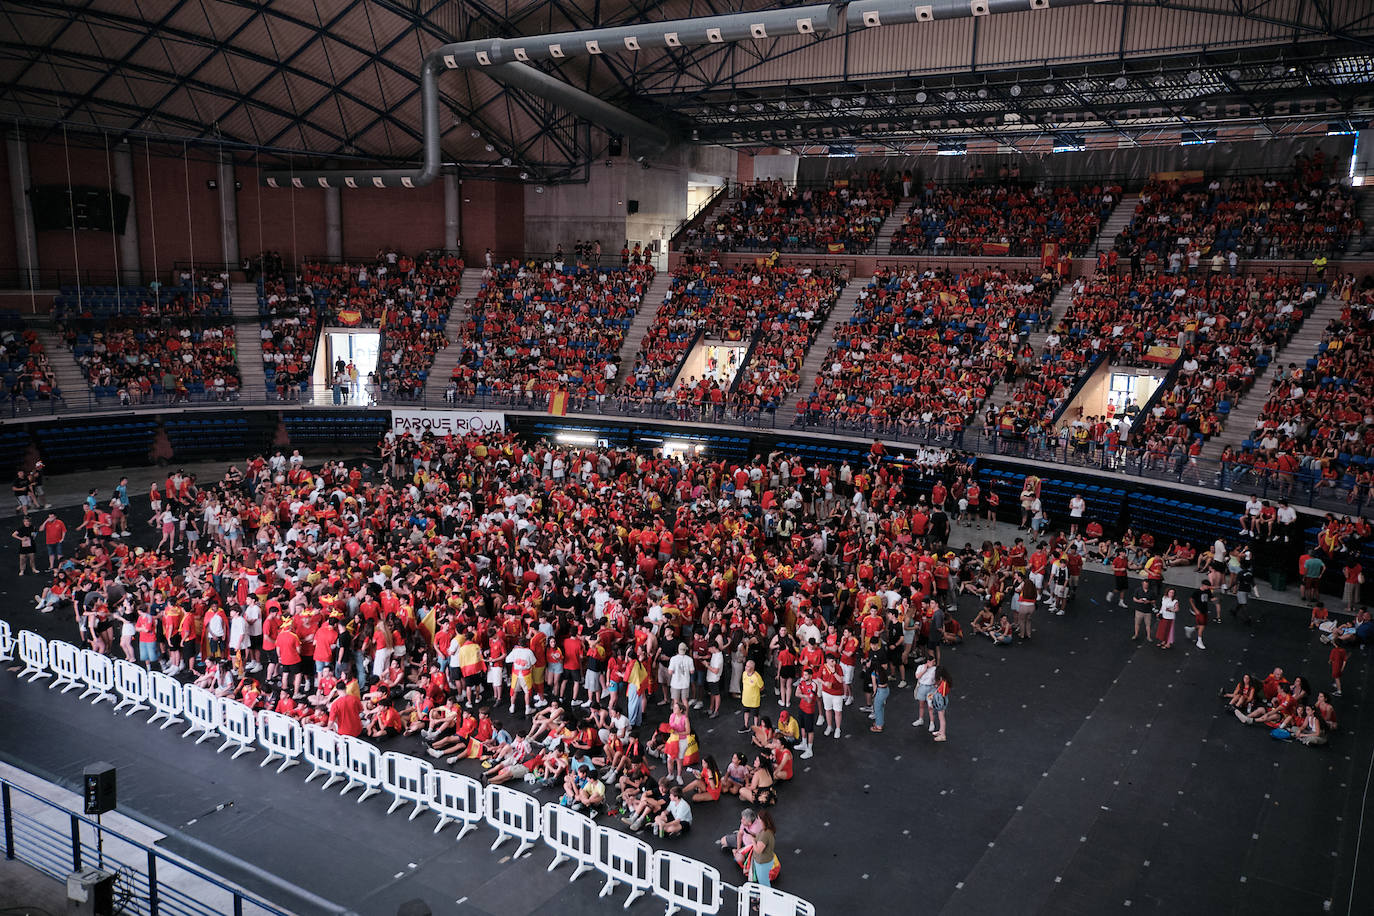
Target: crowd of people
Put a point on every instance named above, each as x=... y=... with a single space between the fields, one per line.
x=1004 y=219
x=539 y=327
x=1181 y=222
x=925 y=348
x=28 y=374
x=138 y=362
x=289 y=332
x=843 y=218
x=778 y=308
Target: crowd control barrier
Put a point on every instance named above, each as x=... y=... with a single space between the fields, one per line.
x=6 y=642
x=686 y=885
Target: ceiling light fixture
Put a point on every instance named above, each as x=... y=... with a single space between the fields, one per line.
x=1015 y=89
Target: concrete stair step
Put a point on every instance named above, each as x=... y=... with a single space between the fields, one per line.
x=644 y=319
x=1303 y=346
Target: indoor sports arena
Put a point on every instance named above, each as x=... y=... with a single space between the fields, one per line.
x=698 y=457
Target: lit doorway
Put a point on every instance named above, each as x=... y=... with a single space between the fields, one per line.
x=355 y=353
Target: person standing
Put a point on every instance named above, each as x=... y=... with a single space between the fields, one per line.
x=1354 y=578
x=763 y=856
x=1143 y=601
x=806 y=715
x=25 y=535
x=832 y=695
x=715 y=668
x=1200 y=604
x=939 y=701
x=751 y=696
x=54 y=533
x=1168 y=611
x=882 y=688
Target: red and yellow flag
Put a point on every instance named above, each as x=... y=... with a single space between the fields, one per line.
x=996 y=248
x=350 y=317
x=835 y=247
x=558 y=404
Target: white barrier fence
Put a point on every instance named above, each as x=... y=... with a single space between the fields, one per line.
x=63 y=658
x=684 y=883
x=282 y=737
x=6 y=642
x=131 y=682
x=97 y=673
x=202 y=709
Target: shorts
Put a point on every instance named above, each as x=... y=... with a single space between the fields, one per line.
x=174 y=642
x=787 y=672
x=848 y=671
x=519 y=770
x=908 y=637
x=555 y=668
x=495 y=676
x=27 y=551
x=923 y=692
x=147 y=652
x=806 y=721
x=713 y=688
x=1122 y=583
x=681 y=693
x=255 y=642
x=539 y=674
x=473 y=680
x=833 y=703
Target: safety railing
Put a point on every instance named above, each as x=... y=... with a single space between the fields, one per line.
x=410 y=783
x=58 y=841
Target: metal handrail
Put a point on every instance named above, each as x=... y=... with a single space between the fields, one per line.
x=48 y=850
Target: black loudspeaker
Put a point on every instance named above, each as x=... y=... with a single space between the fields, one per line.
x=632 y=206
x=616 y=148
x=99 y=784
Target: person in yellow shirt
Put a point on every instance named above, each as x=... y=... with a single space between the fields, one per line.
x=751 y=695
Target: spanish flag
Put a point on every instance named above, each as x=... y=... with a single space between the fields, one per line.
x=637 y=677
x=430 y=623
x=350 y=317
x=1162 y=356
x=996 y=248
x=558 y=404
x=835 y=247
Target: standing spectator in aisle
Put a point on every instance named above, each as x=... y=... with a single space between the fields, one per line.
x=1200 y=604
x=1313 y=568
x=832 y=695
x=1077 y=506
x=25 y=535
x=881 y=689
x=1121 y=570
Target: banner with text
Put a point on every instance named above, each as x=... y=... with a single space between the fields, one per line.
x=447 y=422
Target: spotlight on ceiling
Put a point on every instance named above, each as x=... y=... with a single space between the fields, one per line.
x=1194 y=77
x=892 y=100
x=921 y=96
x=835 y=102
x=806 y=104
x=782 y=104
x=734 y=108
x=476 y=133
x=1235 y=75
x=505 y=160
x=861 y=101
x=1049 y=88
x=539 y=189
x=982 y=93
x=758 y=106
x=524 y=176
x=1015 y=89
x=1120 y=82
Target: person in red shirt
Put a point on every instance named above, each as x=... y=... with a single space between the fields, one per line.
x=289 y=659
x=1121 y=570
x=326 y=637
x=806 y=714
x=346 y=715
x=832 y=695
x=572 y=665
x=54 y=533
x=1338 y=657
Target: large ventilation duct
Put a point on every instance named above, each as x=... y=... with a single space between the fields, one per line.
x=870 y=14
x=506 y=60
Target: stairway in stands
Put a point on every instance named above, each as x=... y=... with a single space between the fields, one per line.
x=1302 y=347
x=243 y=303
x=447 y=359
x=815 y=357
x=882 y=243
x=70 y=378
x=1119 y=219
x=648 y=311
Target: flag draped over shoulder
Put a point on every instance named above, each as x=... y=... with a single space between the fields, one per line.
x=637 y=676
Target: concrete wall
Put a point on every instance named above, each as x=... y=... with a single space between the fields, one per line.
x=492 y=215
x=599 y=209
x=409 y=220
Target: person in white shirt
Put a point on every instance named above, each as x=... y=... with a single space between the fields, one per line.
x=680 y=670
x=521 y=661
x=252 y=619
x=715 y=666
x=1077 y=506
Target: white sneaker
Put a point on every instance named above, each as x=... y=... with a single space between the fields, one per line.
x=849 y=701
x=806 y=754
x=827 y=731
x=837 y=733
x=932 y=726
x=433 y=753
x=1199 y=643
x=919 y=722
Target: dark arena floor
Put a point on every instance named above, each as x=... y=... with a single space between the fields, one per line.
x=1083 y=773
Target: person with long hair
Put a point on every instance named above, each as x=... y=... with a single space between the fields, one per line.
x=707 y=786
x=763 y=855
x=1026 y=598
x=939 y=700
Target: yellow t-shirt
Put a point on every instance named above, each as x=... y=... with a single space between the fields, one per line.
x=752 y=690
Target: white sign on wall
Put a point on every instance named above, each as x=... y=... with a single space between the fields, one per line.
x=447 y=422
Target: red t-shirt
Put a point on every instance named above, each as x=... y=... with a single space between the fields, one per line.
x=288 y=648
x=347 y=714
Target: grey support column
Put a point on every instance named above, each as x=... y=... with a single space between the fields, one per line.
x=228 y=214
x=25 y=240
x=333 y=224
x=130 y=268
x=450 y=211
